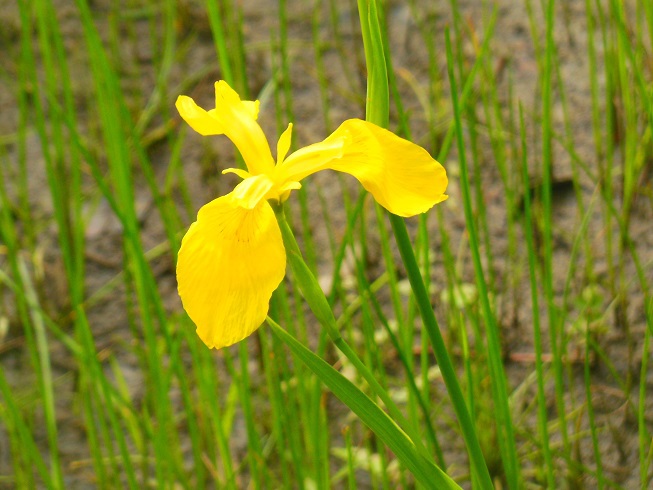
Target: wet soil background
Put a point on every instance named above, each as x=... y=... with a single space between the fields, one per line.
x=512 y=51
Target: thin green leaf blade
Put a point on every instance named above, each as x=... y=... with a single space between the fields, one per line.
x=425 y=471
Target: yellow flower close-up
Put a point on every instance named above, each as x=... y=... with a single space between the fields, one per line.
x=233 y=258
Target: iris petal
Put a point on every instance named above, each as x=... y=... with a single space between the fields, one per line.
x=251 y=191
x=283 y=145
x=234 y=118
x=252 y=107
x=238 y=120
x=243 y=174
x=402 y=176
x=197 y=118
x=311 y=159
x=230 y=262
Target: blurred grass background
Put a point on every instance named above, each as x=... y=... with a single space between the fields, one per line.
x=103 y=382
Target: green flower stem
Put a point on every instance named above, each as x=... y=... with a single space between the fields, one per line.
x=377 y=113
x=444 y=361
x=320 y=306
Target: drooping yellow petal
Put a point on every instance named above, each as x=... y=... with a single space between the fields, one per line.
x=230 y=262
x=402 y=176
x=234 y=118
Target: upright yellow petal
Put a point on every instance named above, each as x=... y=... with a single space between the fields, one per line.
x=252 y=107
x=230 y=262
x=402 y=176
x=234 y=118
x=283 y=145
x=238 y=120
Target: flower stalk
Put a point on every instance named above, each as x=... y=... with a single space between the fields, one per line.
x=377 y=113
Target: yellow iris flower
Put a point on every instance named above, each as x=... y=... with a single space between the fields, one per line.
x=232 y=258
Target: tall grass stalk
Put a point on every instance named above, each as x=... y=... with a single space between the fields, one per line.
x=542 y=421
x=555 y=334
x=498 y=377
